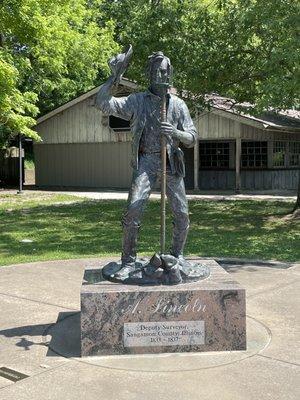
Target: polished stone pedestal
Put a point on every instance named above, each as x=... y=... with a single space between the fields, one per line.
x=208 y=315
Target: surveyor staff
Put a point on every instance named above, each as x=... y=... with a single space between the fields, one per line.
x=163 y=117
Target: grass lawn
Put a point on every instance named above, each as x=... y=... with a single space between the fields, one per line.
x=62 y=226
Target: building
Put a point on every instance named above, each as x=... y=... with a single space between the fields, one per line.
x=83 y=148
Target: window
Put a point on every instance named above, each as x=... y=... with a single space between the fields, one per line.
x=279 y=151
x=294 y=154
x=214 y=154
x=119 y=124
x=254 y=154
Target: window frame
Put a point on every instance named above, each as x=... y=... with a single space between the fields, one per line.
x=261 y=154
x=231 y=155
x=121 y=129
x=285 y=153
x=289 y=153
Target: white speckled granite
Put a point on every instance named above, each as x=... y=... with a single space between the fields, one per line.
x=209 y=315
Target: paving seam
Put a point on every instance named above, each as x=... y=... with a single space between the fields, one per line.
x=9 y=384
x=278 y=360
x=37 y=301
x=163 y=371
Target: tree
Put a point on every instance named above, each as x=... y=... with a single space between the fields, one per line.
x=15 y=106
x=49 y=52
x=244 y=49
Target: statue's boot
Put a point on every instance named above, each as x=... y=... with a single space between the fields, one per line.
x=178 y=243
x=128 y=258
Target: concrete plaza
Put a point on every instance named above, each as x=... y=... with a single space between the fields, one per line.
x=39 y=317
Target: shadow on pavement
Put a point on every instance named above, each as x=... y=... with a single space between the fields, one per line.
x=65 y=335
x=22 y=332
x=235 y=266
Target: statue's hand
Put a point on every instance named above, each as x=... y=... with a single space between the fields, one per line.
x=168 y=130
x=171 y=132
x=119 y=63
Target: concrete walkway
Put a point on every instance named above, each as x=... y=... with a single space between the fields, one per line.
x=39 y=304
x=214 y=196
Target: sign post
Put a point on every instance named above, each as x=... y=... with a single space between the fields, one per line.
x=20 y=191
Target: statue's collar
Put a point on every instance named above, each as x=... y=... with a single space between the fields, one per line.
x=155 y=96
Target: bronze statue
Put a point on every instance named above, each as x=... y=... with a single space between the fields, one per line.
x=160 y=121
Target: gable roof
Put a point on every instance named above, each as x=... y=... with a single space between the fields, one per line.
x=126 y=83
x=284 y=120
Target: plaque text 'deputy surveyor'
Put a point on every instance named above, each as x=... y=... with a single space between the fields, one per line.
x=168 y=333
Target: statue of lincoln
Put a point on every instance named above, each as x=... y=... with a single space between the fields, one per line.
x=143 y=111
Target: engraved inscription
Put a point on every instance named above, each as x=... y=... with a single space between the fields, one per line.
x=169 y=333
x=168 y=307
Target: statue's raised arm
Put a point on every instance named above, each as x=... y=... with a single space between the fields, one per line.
x=120 y=107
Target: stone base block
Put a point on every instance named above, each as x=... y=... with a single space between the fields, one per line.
x=208 y=315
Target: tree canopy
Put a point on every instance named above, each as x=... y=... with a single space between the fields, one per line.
x=244 y=49
x=51 y=51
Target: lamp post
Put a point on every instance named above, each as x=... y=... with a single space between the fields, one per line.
x=20 y=191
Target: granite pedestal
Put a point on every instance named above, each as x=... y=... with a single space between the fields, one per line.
x=208 y=315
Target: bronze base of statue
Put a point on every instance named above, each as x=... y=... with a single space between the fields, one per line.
x=161 y=269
